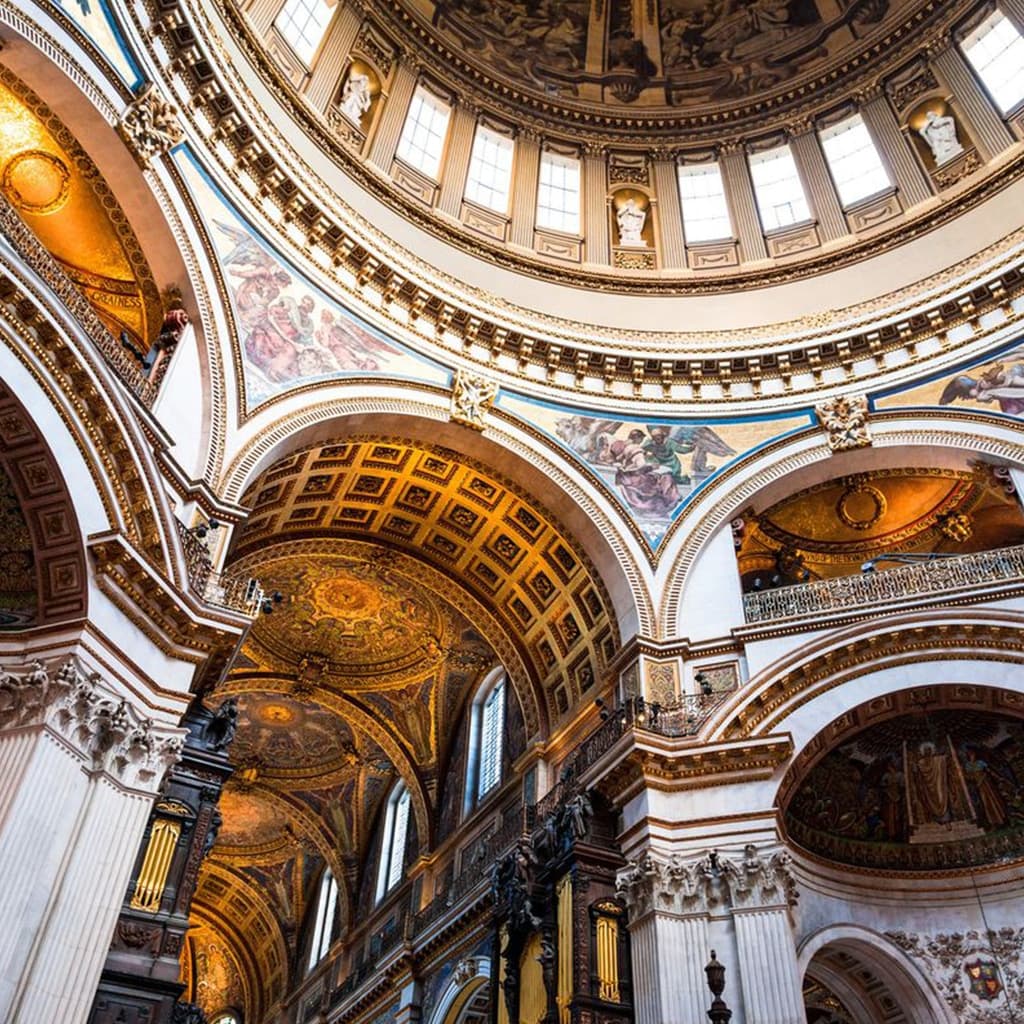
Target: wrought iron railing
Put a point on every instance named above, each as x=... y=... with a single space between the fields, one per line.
x=882 y=586
x=236 y=593
x=38 y=257
x=197 y=558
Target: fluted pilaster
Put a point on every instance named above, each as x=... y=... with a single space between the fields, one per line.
x=739 y=191
x=1014 y=10
x=670 y=210
x=769 y=976
x=330 y=64
x=261 y=14
x=810 y=161
x=983 y=121
x=911 y=181
x=392 y=119
x=525 y=175
x=456 y=165
x=596 y=229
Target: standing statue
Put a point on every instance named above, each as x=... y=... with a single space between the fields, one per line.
x=355 y=97
x=939 y=131
x=220 y=730
x=631 y=219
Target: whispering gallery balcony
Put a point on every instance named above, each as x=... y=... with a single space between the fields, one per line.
x=974 y=575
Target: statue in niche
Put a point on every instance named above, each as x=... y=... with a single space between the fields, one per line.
x=939 y=131
x=355 y=97
x=631 y=219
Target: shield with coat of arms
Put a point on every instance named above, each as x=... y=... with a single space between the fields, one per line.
x=984 y=978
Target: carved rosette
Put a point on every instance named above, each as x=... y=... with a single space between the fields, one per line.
x=845 y=421
x=109 y=735
x=150 y=125
x=472 y=396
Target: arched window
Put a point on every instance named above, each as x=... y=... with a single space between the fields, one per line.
x=392 y=850
x=323 y=922
x=487 y=728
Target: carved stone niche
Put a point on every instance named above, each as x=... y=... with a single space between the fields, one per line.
x=941 y=141
x=908 y=85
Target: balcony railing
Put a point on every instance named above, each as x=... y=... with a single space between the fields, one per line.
x=38 y=257
x=225 y=590
x=905 y=582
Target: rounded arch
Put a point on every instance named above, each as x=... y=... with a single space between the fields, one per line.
x=943 y=437
x=470 y=977
x=914 y=993
x=522 y=455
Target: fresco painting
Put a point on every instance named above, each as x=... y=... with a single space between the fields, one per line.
x=995 y=384
x=93 y=18
x=290 y=333
x=653 y=466
x=917 y=791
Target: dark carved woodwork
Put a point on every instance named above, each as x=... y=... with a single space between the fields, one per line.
x=140 y=977
x=573 y=833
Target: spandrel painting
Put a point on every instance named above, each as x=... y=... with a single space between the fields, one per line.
x=652 y=466
x=291 y=334
x=995 y=384
x=96 y=21
x=917 y=792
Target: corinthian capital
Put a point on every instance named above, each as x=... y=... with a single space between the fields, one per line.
x=759 y=879
x=109 y=735
x=670 y=885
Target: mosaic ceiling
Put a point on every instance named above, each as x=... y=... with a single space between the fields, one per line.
x=933 y=782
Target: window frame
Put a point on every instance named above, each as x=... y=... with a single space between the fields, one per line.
x=852 y=123
x=554 y=158
x=472 y=796
x=408 y=146
x=324 y=919
x=297 y=45
x=971 y=38
x=508 y=143
x=697 y=170
x=762 y=158
x=391 y=863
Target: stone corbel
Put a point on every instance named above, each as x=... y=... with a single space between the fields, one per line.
x=149 y=125
x=472 y=396
x=103 y=729
x=845 y=421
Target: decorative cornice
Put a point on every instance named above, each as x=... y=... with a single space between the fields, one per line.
x=110 y=736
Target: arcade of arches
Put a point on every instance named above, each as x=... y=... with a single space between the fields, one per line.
x=512 y=512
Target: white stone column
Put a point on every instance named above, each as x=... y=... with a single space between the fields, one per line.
x=739 y=191
x=80 y=769
x=911 y=181
x=525 y=178
x=761 y=891
x=983 y=122
x=330 y=63
x=596 y=230
x=810 y=161
x=456 y=164
x=669 y=942
x=670 y=211
x=392 y=119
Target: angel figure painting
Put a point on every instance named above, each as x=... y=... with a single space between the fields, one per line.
x=998 y=384
x=654 y=468
x=288 y=332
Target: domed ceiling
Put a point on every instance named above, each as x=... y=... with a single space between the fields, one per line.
x=662 y=56
x=933 y=783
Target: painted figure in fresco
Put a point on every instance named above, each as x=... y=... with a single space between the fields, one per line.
x=892 y=801
x=644 y=488
x=989 y=804
x=997 y=383
x=935 y=794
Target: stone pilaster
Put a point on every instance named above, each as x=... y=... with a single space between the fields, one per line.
x=456 y=165
x=910 y=180
x=595 y=206
x=810 y=161
x=668 y=904
x=1014 y=10
x=261 y=14
x=983 y=122
x=739 y=191
x=81 y=767
x=392 y=119
x=761 y=893
x=670 y=210
x=525 y=177
x=330 y=64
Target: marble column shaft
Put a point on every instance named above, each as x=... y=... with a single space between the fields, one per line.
x=668 y=954
x=456 y=165
x=910 y=180
x=392 y=119
x=330 y=63
x=739 y=191
x=983 y=122
x=810 y=161
x=768 y=970
x=670 y=214
x=525 y=178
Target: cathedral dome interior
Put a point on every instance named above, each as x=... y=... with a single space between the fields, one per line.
x=513 y=511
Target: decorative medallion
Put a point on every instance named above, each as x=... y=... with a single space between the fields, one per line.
x=983 y=979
